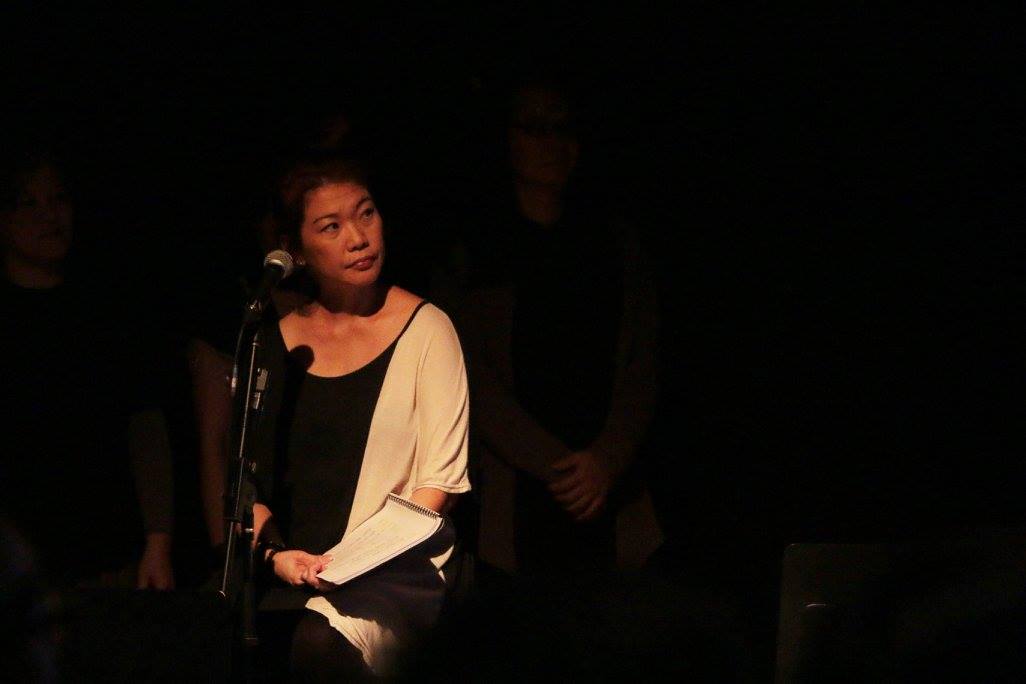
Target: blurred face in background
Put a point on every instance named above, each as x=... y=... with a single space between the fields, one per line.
x=543 y=142
x=37 y=229
x=342 y=236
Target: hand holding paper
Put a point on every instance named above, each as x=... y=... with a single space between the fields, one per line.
x=299 y=567
x=397 y=527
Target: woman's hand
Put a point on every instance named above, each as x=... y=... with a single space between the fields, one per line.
x=155 y=565
x=299 y=567
x=582 y=485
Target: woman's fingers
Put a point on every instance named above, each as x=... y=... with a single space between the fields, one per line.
x=306 y=558
x=294 y=572
x=291 y=565
x=578 y=507
x=564 y=483
x=565 y=463
x=299 y=567
x=314 y=566
x=310 y=578
x=572 y=495
x=593 y=509
x=319 y=564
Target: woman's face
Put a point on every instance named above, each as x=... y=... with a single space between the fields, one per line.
x=542 y=142
x=38 y=229
x=342 y=237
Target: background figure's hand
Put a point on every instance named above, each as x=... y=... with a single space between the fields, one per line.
x=299 y=567
x=582 y=485
x=155 y=565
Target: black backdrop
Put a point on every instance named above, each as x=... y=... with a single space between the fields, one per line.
x=829 y=196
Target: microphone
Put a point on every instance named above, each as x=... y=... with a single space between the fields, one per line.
x=277 y=265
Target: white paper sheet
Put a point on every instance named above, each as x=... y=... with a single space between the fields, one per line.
x=398 y=526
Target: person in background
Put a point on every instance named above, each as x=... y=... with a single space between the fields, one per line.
x=89 y=483
x=558 y=312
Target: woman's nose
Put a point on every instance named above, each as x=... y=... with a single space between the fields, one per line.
x=357 y=239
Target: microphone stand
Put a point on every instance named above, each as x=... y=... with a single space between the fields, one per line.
x=239 y=533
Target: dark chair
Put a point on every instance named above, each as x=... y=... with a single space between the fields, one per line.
x=916 y=611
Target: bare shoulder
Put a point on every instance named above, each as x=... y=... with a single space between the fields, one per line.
x=294 y=325
x=401 y=303
x=429 y=319
x=289 y=321
x=400 y=297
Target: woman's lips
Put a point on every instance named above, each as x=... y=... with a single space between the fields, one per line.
x=363 y=264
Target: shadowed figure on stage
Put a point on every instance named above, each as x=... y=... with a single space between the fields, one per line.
x=90 y=484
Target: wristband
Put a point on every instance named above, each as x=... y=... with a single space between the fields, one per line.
x=275 y=547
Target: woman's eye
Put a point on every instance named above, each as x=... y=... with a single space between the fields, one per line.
x=368 y=212
x=330 y=227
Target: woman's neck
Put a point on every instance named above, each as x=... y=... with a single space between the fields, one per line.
x=350 y=302
x=542 y=204
x=32 y=276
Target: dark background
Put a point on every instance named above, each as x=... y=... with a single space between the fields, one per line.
x=830 y=197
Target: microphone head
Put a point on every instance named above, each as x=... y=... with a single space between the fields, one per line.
x=282 y=260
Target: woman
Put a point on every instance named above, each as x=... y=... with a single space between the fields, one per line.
x=368 y=396
x=558 y=311
x=90 y=484
x=213 y=333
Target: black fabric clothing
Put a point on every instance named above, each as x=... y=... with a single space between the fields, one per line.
x=568 y=289
x=568 y=302
x=309 y=445
x=568 y=283
x=74 y=371
x=319 y=443
x=301 y=646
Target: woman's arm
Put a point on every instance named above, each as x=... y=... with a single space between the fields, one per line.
x=150 y=452
x=587 y=476
x=636 y=384
x=261 y=514
x=292 y=566
x=510 y=432
x=212 y=403
x=435 y=499
x=443 y=413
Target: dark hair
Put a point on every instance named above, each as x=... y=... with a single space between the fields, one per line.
x=314 y=170
x=308 y=175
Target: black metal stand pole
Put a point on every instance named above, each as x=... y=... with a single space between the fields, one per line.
x=239 y=533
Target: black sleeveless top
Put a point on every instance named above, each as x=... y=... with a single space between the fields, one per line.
x=320 y=434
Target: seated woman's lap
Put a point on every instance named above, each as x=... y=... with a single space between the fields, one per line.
x=301 y=646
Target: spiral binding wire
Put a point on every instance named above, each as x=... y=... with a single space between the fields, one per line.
x=412 y=506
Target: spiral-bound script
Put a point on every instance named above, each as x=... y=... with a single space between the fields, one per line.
x=412 y=506
x=399 y=526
